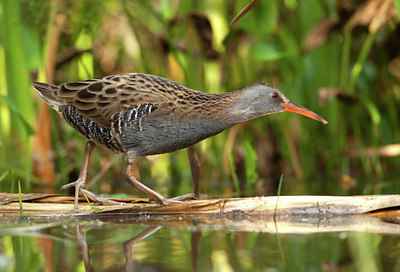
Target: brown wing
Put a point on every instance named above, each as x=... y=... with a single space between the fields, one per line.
x=100 y=99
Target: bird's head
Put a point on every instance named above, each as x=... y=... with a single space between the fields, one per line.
x=262 y=99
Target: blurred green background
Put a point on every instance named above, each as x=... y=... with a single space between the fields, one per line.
x=341 y=59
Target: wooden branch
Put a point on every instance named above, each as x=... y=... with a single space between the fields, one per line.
x=295 y=214
x=37 y=205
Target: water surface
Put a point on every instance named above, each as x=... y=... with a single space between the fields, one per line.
x=172 y=243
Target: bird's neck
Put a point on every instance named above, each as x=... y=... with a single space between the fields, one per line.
x=229 y=108
x=244 y=106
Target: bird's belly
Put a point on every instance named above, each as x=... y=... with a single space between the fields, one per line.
x=157 y=136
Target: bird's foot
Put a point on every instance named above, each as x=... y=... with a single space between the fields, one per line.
x=178 y=200
x=98 y=199
x=190 y=196
x=160 y=199
x=79 y=185
x=167 y=201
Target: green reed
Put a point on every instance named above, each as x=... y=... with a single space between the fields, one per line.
x=164 y=40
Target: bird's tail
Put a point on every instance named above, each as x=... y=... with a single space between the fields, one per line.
x=47 y=92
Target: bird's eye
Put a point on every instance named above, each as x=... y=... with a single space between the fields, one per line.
x=274 y=96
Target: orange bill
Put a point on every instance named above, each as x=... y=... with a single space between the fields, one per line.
x=293 y=107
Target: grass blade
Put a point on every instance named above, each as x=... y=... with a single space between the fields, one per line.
x=279 y=193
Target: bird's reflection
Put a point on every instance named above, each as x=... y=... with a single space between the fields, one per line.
x=80 y=236
x=130 y=263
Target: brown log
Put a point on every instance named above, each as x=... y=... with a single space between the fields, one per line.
x=38 y=205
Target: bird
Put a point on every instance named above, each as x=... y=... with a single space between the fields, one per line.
x=141 y=114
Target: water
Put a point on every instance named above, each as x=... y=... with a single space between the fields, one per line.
x=209 y=243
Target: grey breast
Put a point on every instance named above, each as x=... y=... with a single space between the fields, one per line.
x=158 y=133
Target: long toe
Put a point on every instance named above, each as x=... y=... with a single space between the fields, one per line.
x=168 y=202
x=190 y=196
x=95 y=198
x=76 y=184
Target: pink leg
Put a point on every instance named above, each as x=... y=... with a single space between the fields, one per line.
x=153 y=194
x=79 y=184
